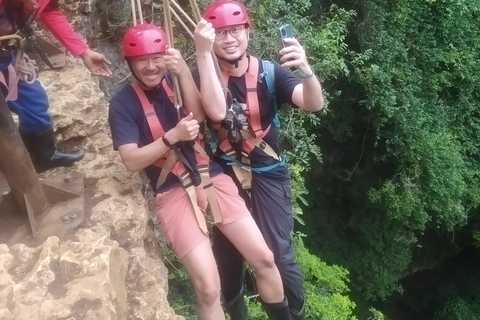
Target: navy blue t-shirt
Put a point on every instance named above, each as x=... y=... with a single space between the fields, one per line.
x=285 y=83
x=129 y=125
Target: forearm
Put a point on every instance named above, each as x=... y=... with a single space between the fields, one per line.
x=136 y=159
x=308 y=95
x=56 y=22
x=191 y=96
x=213 y=98
x=312 y=94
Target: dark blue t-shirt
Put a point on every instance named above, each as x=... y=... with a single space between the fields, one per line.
x=285 y=83
x=129 y=125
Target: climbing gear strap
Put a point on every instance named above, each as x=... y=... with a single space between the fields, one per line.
x=259 y=143
x=253 y=110
x=268 y=75
x=187 y=183
x=241 y=163
x=242 y=169
x=176 y=163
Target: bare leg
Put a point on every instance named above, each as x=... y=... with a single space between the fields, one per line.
x=246 y=237
x=202 y=269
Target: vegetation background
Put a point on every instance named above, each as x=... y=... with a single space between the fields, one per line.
x=387 y=177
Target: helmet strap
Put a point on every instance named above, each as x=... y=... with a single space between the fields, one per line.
x=235 y=61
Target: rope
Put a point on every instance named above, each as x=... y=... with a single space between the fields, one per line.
x=168 y=10
x=197 y=15
x=134 y=13
x=169 y=31
x=24 y=67
x=181 y=22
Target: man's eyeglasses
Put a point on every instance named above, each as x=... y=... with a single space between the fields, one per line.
x=234 y=32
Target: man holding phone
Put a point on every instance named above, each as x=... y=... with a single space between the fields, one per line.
x=254 y=158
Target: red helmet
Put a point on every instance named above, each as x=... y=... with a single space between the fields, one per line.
x=225 y=13
x=144 y=39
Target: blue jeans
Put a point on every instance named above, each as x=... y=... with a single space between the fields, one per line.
x=31 y=105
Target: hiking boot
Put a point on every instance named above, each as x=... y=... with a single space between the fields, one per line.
x=44 y=154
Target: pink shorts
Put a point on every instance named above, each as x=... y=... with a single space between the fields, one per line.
x=177 y=219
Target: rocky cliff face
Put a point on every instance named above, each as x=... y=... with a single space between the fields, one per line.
x=111 y=266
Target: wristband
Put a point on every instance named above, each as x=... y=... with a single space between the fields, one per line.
x=300 y=75
x=167 y=143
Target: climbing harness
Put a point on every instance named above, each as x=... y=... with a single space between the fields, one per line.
x=239 y=160
x=236 y=124
x=173 y=160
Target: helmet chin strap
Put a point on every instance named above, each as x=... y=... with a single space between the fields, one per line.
x=235 y=61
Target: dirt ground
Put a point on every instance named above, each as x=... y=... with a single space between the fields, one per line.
x=68 y=209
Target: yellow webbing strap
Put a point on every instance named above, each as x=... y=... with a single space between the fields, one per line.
x=243 y=175
x=242 y=171
x=208 y=186
x=212 y=199
x=166 y=168
x=192 y=194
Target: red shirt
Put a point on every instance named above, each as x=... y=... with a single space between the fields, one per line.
x=49 y=13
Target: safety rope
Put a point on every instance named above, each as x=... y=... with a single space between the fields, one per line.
x=169 y=31
x=24 y=67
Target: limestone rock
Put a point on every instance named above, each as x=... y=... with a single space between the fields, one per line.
x=109 y=268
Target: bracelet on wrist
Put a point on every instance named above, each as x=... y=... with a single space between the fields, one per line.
x=300 y=75
x=166 y=142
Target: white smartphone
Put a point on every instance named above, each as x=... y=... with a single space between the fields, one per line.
x=285 y=32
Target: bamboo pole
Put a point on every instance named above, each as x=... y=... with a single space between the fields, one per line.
x=177 y=6
x=197 y=16
x=181 y=22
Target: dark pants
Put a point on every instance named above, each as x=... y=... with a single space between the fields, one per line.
x=272 y=210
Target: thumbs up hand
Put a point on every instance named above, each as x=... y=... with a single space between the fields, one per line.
x=186 y=130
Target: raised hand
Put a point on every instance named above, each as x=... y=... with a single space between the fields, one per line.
x=96 y=63
x=294 y=56
x=175 y=63
x=204 y=36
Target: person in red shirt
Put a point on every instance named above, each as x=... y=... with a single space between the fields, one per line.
x=28 y=99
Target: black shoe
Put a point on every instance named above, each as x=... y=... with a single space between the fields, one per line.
x=59 y=159
x=44 y=154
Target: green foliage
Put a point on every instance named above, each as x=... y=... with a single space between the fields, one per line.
x=401 y=140
x=323 y=42
x=476 y=238
x=181 y=294
x=459 y=309
x=326 y=289
x=299 y=147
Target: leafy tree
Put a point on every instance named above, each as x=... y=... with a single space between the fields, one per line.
x=400 y=144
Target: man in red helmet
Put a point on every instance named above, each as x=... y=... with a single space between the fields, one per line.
x=248 y=147
x=28 y=99
x=152 y=136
